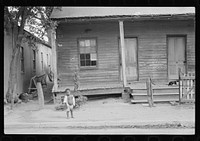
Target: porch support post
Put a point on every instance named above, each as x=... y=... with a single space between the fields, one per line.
x=52 y=38
x=121 y=29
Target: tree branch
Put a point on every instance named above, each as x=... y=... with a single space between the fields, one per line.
x=22 y=24
x=19 y=14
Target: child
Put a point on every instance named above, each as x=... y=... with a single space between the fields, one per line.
x=69 y=100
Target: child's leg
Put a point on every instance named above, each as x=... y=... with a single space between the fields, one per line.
x=71 y=110
x=67 y=114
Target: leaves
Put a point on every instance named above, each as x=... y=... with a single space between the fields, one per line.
x=34 y=19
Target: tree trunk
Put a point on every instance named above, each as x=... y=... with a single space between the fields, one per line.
x=16 y=44
x=11 y=92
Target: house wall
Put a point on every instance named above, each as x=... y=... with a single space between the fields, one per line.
x=23 y=78
x=152 y=48
x=45 y=50
x=152 y=45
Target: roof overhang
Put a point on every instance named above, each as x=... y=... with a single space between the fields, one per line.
x=186 y=16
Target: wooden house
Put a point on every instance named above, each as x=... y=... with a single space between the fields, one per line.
x=32 y=61
x=114 y=47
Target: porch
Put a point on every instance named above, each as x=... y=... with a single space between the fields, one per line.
x=162 y=92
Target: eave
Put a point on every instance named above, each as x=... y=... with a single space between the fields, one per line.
x=187 y=16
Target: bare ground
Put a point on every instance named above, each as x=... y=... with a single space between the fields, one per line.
x=110 y=113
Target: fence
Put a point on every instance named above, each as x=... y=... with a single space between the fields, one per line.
x=186 y=87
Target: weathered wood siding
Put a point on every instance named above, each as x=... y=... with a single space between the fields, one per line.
x=152 y=45
x=107 y=52
x=152 y=48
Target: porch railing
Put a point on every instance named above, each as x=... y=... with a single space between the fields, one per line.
x=186 y=87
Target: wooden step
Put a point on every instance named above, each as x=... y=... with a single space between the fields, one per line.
x=156 y=97
x=138 y=94
x=165 y=94
x=167 y=90
x=139 y=90
x=165 y=87
x=158 y=100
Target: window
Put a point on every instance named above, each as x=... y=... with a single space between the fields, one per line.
x=88 y=52
x=42 y=61
x=47 y=60
x=22 y=58
x=34 y=60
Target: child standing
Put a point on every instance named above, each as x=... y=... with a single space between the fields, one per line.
x=69 y=100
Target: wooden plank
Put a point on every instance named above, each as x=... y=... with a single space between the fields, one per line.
x=156 y=100
x=121 y=29
x=40 y=95
x=165 y=94
x=187 y=77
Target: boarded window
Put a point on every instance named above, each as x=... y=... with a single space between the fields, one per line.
x=88 y=52
x=34 y=60
x=22 y=58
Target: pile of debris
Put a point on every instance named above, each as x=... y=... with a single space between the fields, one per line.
x=25 y=97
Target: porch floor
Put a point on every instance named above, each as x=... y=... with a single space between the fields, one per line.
x=115 y=85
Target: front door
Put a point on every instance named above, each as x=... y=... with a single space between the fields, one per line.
x=131 y=59
x=176 y=56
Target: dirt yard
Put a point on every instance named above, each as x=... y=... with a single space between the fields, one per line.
x=110 y=109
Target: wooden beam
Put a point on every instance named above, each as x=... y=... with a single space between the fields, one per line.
x=121 y=29
x=40 y=95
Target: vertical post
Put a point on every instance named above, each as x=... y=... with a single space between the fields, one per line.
x=40 y=95
x=121 y=29
x=188 y=87
x=52 y=38
x=179 y=77
x=148 y=85
x=151 y=92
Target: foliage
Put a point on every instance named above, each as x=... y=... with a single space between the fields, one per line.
x=76 y=80
x=37 y=19
x=80 y=100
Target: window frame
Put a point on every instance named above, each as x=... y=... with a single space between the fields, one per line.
x=47 y=59
x=22 y=59
x=79 y=59
x=34 y=60
x=42 y=61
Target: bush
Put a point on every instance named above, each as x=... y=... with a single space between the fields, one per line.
x=80 y=100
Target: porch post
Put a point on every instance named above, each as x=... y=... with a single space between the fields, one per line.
x=121 y=29
x=52 y=38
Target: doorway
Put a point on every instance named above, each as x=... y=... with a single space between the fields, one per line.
x=176 y=55
x=131 y=59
